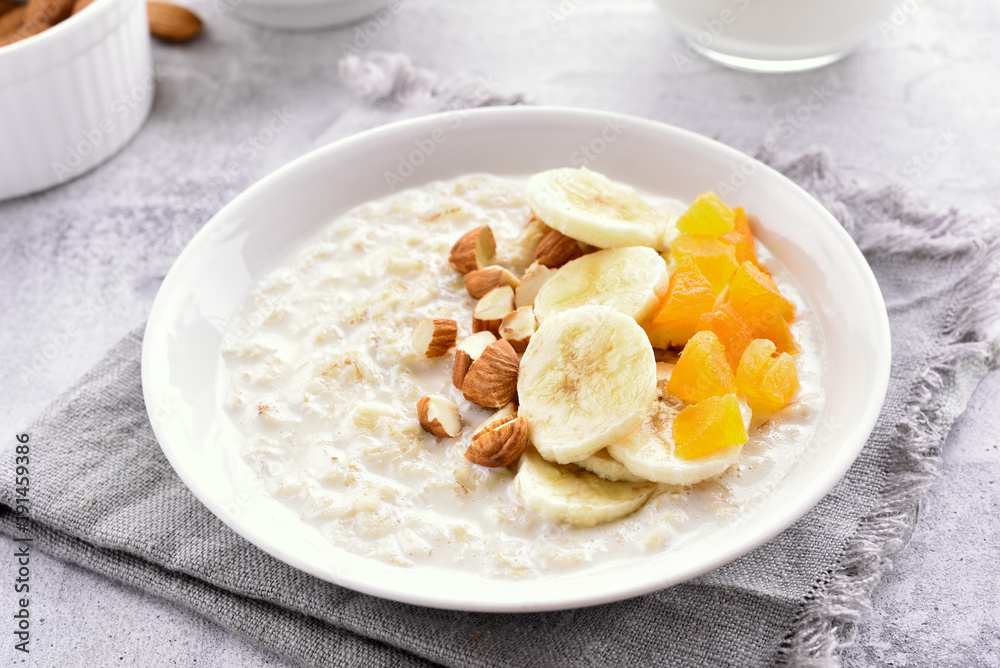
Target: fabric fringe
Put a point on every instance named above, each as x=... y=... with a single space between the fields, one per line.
x=888 y=222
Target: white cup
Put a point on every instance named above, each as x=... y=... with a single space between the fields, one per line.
x=775 y=35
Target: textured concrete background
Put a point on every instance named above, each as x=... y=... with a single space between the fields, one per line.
x=80 y=265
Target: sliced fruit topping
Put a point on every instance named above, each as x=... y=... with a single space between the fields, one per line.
x=648 y=452
x=755 y=296
x=434 y=337
x=500 y=445
x=709 y=426
x=569 y=494
x=702 y=370
x=769 y=379
x=628 y=280
x=492 y=378
x=734 y=334
x=707 y=215
x=604 y=465
x=741 y=237
x=491 y=309
x=476 y=249
x=439 y=416
x=586 y=380
x=689 y=296
x=594 y=209
x=715 y=259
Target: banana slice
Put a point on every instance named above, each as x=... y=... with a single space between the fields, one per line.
x=586 y=380
x=648 y=452
x=605 y=466
x=629 y=280
x=576 y=496
x=592 y=208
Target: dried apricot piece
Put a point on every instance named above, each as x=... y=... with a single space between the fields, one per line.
x=689 y=295
x=769 y=379
x=741 y=237
x=702 y=370
x=732 y=331
x=716 y=259
x=754 y=295
x=709 y=426
x=707 y=215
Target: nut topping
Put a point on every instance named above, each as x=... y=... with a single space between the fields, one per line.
x=500 y=446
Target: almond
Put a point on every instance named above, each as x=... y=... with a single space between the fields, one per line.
x=500 y=446
x=518 y=326
x=532 y=280
x=480 y=281
x=81 y=4
x=172 y=22
x=10 y=21
x=491 y=380
x=491 y=309
x=434 y=337
x=468 y=351
x=556 y=249
x=532 y=234
x=47 y=12
x=439 y=416
x=504 y=414
x=24 y=30
x=475 y=250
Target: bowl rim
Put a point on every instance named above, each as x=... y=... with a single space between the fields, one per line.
x=405 y=129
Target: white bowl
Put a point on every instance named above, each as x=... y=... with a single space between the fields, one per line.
x=203 y=290
x=309 y=14
x=73 y=95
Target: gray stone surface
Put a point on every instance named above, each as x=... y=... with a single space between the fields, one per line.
x=80 y=265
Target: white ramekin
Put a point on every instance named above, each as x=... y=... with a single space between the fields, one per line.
x=304 y=14
x=71 y=96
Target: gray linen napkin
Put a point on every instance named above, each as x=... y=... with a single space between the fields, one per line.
x=103 y=496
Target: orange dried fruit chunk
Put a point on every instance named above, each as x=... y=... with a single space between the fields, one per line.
x=707 y=215
x=741 y=237
x=689 y=295
x=732 y=331
x=754 y=295
x=716 y=259
x=709 y=426
x=768 y=378
x=702 y=370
